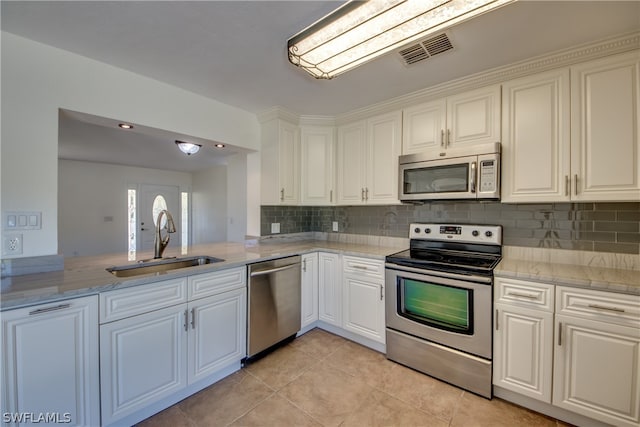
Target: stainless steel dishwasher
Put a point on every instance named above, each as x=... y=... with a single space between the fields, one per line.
x=274 y=303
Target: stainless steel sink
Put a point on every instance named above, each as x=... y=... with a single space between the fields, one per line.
x=161 y=265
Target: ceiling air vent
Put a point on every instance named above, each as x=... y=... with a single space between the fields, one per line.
x=425 y=49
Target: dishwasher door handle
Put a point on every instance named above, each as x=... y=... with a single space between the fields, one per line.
x=273 y=270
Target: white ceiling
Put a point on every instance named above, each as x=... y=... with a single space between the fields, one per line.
x=235 y=51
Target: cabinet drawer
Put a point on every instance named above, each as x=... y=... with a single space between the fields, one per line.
x=366 y=266
x=128 y=302
x=598 y=305
x=524 y=293
x=203 y=285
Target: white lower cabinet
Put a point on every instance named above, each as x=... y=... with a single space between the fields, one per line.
x=142 y=360
x=309 y=291
x=329 y=289
x=65 y=386
x=363 y=297
x=597 y=355
x=171 y=343
x=585 y=358
x=523 y=337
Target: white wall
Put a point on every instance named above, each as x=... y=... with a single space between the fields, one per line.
x=37 y=80
x=209 y=205
x=236 y=200
x=88 y=192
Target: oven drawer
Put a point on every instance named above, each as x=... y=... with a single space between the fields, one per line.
x=523 y=293
x=367 y=266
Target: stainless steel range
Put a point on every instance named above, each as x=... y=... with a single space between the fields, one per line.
x=439 y=303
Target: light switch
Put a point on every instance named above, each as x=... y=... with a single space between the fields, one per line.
x=11 y=221
x=15 y=220
x=275 y=227
x=33 y=220
x=334 y=226
x=22 y=220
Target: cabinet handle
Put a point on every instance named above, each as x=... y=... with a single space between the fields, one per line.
x=442 y=138
x=48 y=309
x=362 y=194
x=381 y=292
x=193 y=318
x=304 y=265
x=575 y=184
x=602 y=307
x=567 y=185
x=360 y=267
x=282 y=195
x=517 y=294
x=448 y=137
x=366 y=193
x=497 y=318
x=330 y=196
x=559 y=333
x=186 y=320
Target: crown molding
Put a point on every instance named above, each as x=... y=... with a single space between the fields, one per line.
x=278 y=113
x=562 y=58
x=566 y=57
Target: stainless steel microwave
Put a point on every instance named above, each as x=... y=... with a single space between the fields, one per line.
x=463 y=173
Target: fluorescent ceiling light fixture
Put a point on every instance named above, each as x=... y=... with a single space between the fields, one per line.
x=188 y=148
x=360 y=31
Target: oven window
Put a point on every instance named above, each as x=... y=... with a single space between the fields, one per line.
x=440 y=306
x=437 y=179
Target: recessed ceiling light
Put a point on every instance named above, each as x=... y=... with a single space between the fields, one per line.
x=219 y=145
x=125 y=126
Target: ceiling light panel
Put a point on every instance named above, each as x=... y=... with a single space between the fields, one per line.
x=361 y=31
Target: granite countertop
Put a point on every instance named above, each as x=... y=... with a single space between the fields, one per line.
x=87 y=275
x=590 y=270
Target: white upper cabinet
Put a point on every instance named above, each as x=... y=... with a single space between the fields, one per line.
x=280 y=163
x=317 y=165
x=605 y=139
x=368 y=160
x=468 y=118
x=535 y=138
x=577 y=141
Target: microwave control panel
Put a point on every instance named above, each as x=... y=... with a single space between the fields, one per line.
x=488 y=176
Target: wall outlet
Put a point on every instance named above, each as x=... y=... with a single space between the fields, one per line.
x=12 y=244
x=275 y=227
x=334 y=226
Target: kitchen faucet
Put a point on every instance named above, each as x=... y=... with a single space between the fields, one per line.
x=159 y=244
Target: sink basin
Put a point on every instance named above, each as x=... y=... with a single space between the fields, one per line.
x=161 y=265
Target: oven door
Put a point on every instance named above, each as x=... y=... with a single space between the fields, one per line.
x=439 y=179
x=446 y=310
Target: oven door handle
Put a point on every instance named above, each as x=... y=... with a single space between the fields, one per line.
x=474 y=176
x=443 y=274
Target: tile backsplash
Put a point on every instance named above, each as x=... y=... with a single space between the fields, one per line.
x=600 y=227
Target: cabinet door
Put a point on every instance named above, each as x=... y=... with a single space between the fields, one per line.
x=317 y=166
x=50 y=361
x=289 y=156
x=536 y=142
x=329 y=289
x=474 y=117
x=309 y=292
x=142 y=360
x=424 y=126
x=597 y=370
x=363 y=302
x=217 y=333
x=523 y=349
x=383 y=149
x=605 y=139
x=351 y=164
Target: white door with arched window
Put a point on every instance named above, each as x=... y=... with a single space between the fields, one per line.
x=153 y=199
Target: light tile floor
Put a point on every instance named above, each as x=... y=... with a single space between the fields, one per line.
x=321 y=379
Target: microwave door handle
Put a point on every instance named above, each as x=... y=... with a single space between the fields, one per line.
x=474 y=175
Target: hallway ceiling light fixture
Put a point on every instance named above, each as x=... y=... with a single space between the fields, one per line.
x=188 y=148
x=360 y=31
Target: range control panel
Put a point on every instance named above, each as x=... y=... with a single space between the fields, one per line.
x=487 y=234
